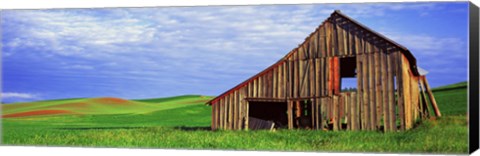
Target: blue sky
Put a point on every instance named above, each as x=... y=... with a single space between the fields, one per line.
x=136 y=53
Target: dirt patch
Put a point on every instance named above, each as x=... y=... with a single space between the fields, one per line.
x=110 y=100
x=37 y=112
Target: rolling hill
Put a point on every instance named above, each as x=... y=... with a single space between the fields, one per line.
x=103 y=105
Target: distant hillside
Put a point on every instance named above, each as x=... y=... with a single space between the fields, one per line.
x=174 y=98
x=451 y=86
x=103 y=105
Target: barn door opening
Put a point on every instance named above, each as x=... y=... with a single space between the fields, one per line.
x=303 y=114
x=267 y=115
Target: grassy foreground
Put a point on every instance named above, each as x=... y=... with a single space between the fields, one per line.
x=182 y=123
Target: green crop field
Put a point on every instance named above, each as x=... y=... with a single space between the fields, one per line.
x=183 y=123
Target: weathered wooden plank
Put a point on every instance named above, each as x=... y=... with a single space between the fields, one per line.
x=348 y=114
x=391 y=94
x=225 y=112
x=317 y=80
x=328 y=41
x=359 y=116
x=279 y=78
x=378 y=88
x=259 y=87
x=266 y=84
x=236 y=110
x=312 y=45
x=356 y=112
x=329 y=76
x=288 y=78
x=341 y=108
x=357 y=44
x=242 y=107
x=351 y=39
x=313 y=112
x=400 y=89
x=346 y=40
x=384 y=87
x=432 y=98
x=336 y=78
x=251 y=87
x=415 y=96
x=285 y=80
x=230 y=111
x=296 y=78
x=219 y=115
x=243 y=110
x=323 y=113
x=239 y=109
x=301 y=76
x=328 y=112
x=247 y=113
x=317 y=113
x=425 y=109
x=322 y=73
x=274 y=82
x=339 y=41
x=371 y=84
x=270 y=86
x=298 y=112
x=233 y=110
x=281 y=81
x=366 y=92
x=335 y=112
x=405 y=90
x=312 y=79
x=385 y=92
x=218 y=112
x=255 y=88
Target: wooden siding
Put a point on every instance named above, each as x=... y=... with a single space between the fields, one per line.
x=388 y=91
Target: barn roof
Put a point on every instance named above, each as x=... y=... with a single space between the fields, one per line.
x=335 y=14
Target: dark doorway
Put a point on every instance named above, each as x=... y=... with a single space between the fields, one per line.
x=303 y=114
x=262 y=113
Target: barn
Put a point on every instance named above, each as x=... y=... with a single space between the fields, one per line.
x=303 y=90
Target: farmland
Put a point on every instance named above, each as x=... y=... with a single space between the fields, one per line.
x=183 y=122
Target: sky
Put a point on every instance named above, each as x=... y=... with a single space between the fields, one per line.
x=137 y=53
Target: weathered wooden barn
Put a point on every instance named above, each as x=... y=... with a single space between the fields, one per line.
x=303 y=89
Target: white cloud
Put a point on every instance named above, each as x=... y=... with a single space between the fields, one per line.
x=17 y=95
x=428 y=42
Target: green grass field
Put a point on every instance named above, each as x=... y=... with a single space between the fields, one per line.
x=182 y=123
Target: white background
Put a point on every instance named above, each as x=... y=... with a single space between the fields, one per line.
x=51 y=151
